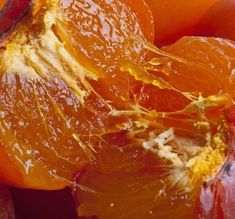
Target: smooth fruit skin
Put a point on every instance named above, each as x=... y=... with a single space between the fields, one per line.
x=102 y=31
x=125 y=182
x=176 y=18
x=218 y=21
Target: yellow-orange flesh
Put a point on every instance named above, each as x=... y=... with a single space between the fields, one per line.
x=53 y=111
x=87 y=102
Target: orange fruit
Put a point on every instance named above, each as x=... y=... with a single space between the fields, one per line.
x=53 y=111
x=218 y=21
x=175 y=19
x=86 y=102
x=155 y=170
x=100 y=32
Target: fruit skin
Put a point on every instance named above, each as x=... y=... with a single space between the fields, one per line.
x=129 y=184
x=11 y=13
x=218 y=21
x=176 y=18
x=102 y=32
x=144 y=16
x=6 y=204
x=216 y=199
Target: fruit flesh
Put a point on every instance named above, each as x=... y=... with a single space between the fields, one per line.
x=177 y=18
x=140 y=184
x=50 y=108
x=104 y=32
x=57 y=127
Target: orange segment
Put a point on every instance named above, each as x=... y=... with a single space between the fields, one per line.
x=219 y=76
x=129 y=185
x=129 y=182
x=55 y=113
x=218 y=21
x=42 y=141
x=103 y=31
x=81 y=99
x=216 y=198
x=176 y=18
x=144 y=16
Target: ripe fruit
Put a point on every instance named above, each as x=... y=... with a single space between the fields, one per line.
x=101 y=32
x=86 y=102
x=159 y=168
x=218 y=21
x=56 y=88
x=176 y=18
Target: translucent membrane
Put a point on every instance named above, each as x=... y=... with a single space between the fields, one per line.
x=133 y=129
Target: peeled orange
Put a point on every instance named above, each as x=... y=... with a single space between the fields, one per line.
x=174 y=19
x=53 y=111
x=218 y=21
x=87 y=102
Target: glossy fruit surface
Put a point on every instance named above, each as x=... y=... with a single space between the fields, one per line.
x=126 y=181
x=177 y=18
x=86 y=102
x=53 y=111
